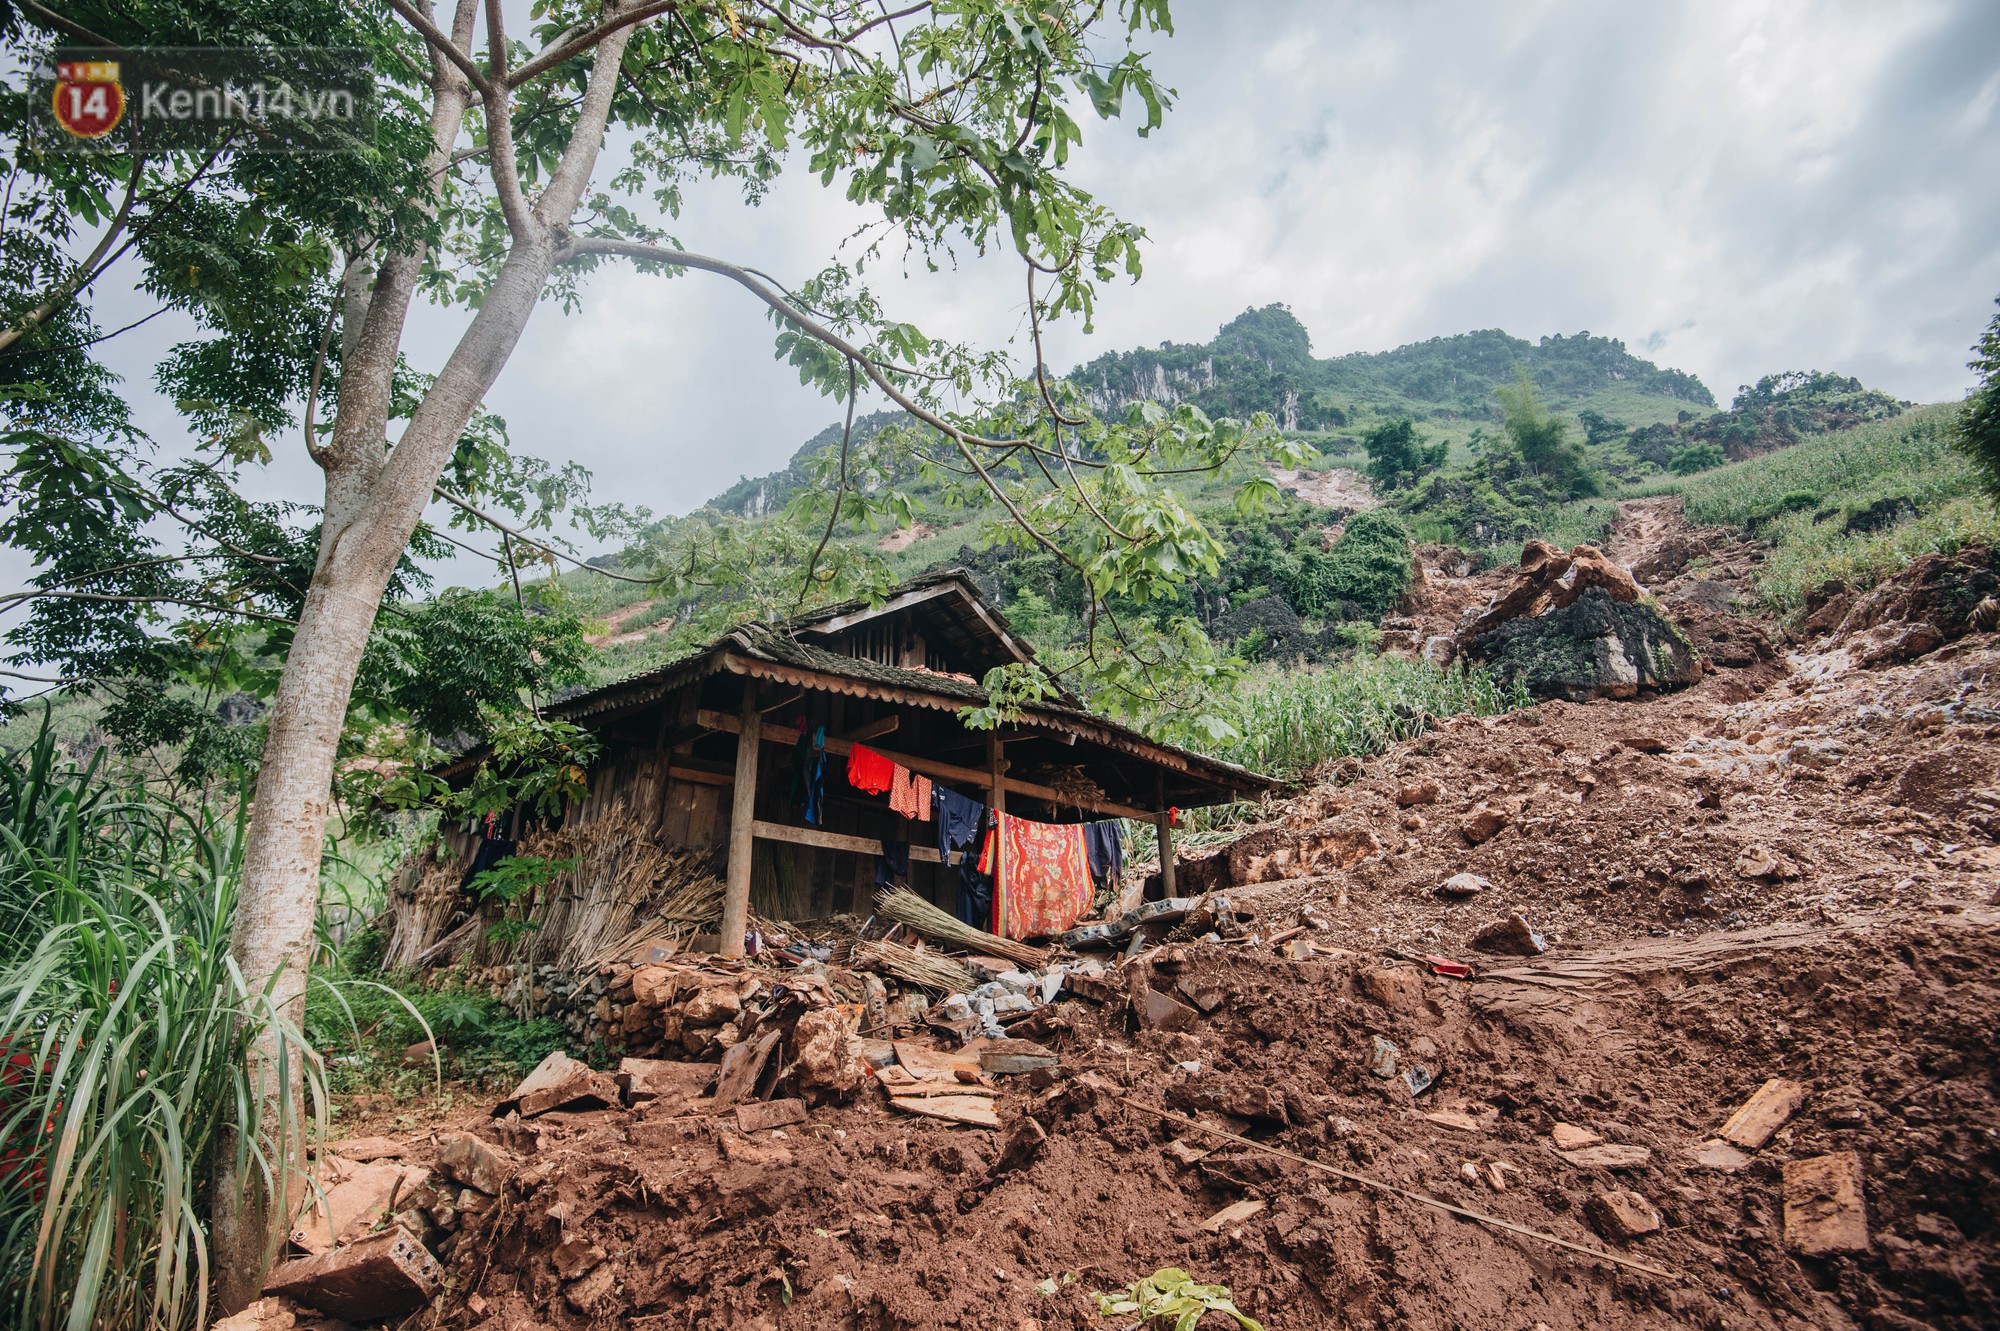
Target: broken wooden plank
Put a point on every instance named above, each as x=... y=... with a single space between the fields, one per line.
x=1824 y=1209
x=1452 y=1118
x=1010 y=1057
x=973 y=1110
x=742 y=1063
x=1609 y=1157
x=384 y=1275
x=1232 y=1214
x=1763 y=1113
x=761 y=1114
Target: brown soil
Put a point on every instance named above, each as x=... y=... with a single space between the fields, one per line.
x=1340 y=488
x=1786 y=871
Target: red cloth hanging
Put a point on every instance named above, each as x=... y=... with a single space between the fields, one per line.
x=1041 y=876
x=869 y=771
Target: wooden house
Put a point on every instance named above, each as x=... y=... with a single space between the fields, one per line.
x=701 y=753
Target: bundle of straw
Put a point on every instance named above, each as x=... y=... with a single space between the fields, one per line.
x=906 y=907
x=932 y=971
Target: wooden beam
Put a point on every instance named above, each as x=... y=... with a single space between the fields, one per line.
x=873 y=728
x=822 y=840
x=996 y=764
x=970 y=776
x=1165 y=823
x=742 y=813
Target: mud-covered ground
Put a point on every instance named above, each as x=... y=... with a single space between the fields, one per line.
x=1787 y=870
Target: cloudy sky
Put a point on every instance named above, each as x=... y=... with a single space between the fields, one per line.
x=1731 y=187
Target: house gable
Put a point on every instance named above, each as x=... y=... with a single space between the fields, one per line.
x=939 y=623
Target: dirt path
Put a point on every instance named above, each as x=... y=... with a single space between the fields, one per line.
x=1340 y=488
x=1643 y=526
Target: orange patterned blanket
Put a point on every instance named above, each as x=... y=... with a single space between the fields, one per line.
x=1042 y=883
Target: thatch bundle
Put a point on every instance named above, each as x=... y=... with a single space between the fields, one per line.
x=906 y=907
x=932 y=971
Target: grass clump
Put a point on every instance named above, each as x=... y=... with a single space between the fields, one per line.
x=126 y=1029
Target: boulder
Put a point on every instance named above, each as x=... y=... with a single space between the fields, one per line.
x=1595 y=647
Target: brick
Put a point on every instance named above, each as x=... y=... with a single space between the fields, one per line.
x=384 y=1275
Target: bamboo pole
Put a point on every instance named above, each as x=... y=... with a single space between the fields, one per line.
x=742 y=817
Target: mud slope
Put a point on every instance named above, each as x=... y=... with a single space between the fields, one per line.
x=864 y=1219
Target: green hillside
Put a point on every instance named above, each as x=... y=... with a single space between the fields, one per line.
x=1262 y=361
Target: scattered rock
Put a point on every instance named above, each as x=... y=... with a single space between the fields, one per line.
x=1462 y=886
x=1456 y=1119
x=1020 y=1144
x=1569 y=1137
x=823 y=1060
x=1161 y=1013
x=263 y=1315
x=1759 y=862
x=1610 y=1157
x=1621 y=1216
x=1419 y=792
x=1399 y=988
x=1719 y=1156
x=576 y=1258
x=420 y=1053
x=758 y=1115
x=1824 y=1210
x=1233 y=1214
x=559 y=1082
x=592 y=1291
x=352 y=1204
x=1510 y=936
x=1485 y=823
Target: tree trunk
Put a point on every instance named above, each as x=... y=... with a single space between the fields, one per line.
x=373 y=503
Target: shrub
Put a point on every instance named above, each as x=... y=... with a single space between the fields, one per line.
x=1361 y=577
x=1688 y=460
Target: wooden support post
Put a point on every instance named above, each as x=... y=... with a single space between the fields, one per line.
x=1165 y=823
x=996 y=761
x=742 y=817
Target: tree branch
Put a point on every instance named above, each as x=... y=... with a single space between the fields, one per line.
x=441 y=43
x=839 y=495
x=500 y=129
x=86 y=271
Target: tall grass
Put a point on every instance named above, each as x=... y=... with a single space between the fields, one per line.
x=1292 y=723
x=126 y=1031
x=1300 y=720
